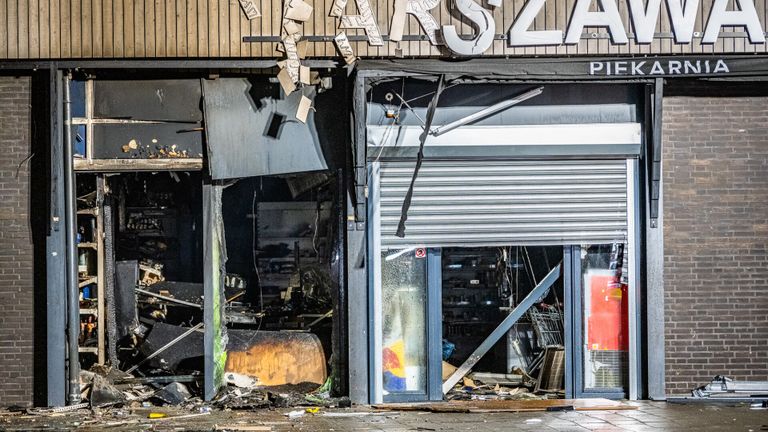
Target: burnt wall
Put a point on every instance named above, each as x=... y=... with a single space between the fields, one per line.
x=715 y=140
x=16 y=250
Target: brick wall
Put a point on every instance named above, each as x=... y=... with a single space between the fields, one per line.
x=16 y=254
x=715 y=238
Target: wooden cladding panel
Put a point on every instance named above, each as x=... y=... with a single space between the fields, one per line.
x=40 y=29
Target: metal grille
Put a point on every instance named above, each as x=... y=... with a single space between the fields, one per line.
x=496 y=203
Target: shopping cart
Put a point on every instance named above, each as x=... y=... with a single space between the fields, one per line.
x=547 y=325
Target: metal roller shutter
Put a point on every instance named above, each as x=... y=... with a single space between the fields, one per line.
x=488 y=203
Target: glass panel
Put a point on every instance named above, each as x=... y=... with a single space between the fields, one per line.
x=404 y=321
x=77 y=98
x=606 y=324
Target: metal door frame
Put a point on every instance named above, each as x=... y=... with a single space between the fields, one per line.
x=433 y=310
x=574 y=371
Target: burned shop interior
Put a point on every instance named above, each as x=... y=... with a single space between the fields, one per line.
x=148 y=154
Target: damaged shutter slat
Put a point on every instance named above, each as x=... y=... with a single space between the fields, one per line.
x=471 y=203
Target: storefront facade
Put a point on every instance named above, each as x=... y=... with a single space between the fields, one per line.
x=548 y=138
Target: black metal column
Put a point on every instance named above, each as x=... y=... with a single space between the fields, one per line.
x=56 y=251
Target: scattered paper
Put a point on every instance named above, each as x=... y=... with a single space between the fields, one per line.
x=298 y=10
x=344 y=47
x=304 y=76
x=286 y=82
x=250 y=9
x=303 y=111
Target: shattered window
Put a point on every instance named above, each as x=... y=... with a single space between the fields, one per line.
x=404 y=321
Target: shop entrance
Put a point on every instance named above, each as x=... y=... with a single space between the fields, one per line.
x=441 y=308
x=514 y=279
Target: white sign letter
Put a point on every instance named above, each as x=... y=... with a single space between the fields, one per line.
x=595 y=67
x=484 y=22
x=609 y=17
x=746 y=17
x=520 y=35
x=418 y=8
x=366 y=20
x=683 y=18
x=644 y=19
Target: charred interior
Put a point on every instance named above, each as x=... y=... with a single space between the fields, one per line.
x=204 y=270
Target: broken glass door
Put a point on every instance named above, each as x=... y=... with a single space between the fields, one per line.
x=407 y=348
x=404 y=322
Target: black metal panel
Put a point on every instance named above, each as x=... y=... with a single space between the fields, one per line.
x=126 y=277
x=153 y=140
x=56 y=270
x=252 y=131
x=166 y=100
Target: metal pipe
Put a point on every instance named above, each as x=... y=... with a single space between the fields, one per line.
x=493 y=109
x=73 y=292
x=168 y=299
x=165 y=347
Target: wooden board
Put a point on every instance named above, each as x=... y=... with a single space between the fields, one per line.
x=39 y=29
x=487 y=406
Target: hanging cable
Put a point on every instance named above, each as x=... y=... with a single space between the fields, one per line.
x=420 y=157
